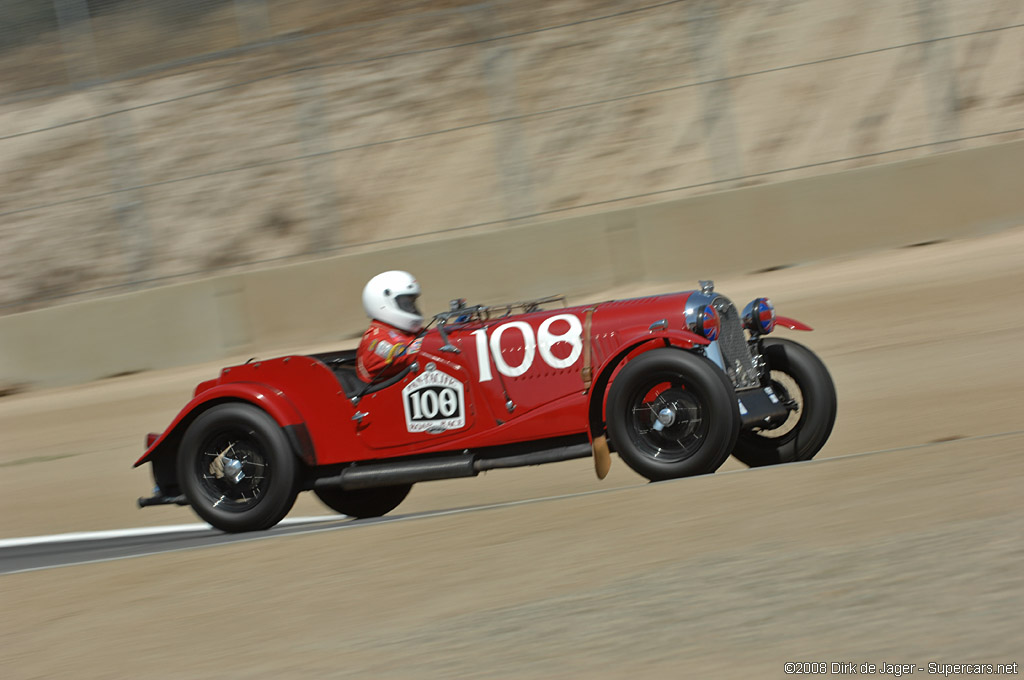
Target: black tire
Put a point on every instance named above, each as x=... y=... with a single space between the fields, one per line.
x=238 y=438
x=796 y=373
x=362 y=503
x=702 y=409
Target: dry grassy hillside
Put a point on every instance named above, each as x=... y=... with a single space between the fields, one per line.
x=161 y=141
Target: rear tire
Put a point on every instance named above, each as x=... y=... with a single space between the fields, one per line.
x=362 y=503
x=699 y=409
x=796 y=373
x=236 y=468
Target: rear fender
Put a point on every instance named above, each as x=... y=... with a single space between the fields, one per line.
x=636 y=344
x=271 y=400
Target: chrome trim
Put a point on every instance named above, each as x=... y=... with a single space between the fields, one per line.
x=748 y=321
x=730 y=351
x=694 y=303
x=714 y=352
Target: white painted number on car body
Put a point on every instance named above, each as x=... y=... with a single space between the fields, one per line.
x=573 y=336
x=543 y=342
x=529 y=348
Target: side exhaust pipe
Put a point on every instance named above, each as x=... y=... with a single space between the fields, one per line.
x=397 y=472
x=400 y=472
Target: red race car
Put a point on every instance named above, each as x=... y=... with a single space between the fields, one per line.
x=672 y=383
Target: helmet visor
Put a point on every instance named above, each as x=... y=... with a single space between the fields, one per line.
x=407 y=303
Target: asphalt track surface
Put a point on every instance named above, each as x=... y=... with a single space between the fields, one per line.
x=48 y=552
x=909 y=553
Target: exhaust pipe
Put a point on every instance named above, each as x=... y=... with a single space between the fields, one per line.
x=395 y=472
x=534 y=458
x=404 y=472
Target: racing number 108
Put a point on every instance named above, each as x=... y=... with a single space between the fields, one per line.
x=543 y=342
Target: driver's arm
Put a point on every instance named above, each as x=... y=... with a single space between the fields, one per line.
x=383 y=356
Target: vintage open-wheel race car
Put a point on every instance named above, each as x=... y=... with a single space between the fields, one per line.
x=672 y=383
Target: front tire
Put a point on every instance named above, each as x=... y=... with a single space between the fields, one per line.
x=670 y=415
x=363 y=503
x=797 y=374
x=236 y=468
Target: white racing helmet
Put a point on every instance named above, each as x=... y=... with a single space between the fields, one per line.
x=391 y=297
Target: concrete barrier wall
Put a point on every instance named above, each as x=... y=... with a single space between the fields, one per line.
x=234 y=316
x=938 y=197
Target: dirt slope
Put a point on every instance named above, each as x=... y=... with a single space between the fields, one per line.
x=357 y=122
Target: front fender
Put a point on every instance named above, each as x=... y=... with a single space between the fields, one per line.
x=682 y=339
x=270 y=399
x=791 y=323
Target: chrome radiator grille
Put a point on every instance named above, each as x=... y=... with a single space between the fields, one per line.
x=738 y=362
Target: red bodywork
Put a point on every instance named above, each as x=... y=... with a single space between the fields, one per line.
x=530 y=383
x=549 y=400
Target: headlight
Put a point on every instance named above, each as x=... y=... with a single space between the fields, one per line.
x=707 y=322
x=759 y=316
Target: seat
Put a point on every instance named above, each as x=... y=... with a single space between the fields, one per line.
x=343 y=365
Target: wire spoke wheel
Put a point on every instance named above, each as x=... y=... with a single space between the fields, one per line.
x=670 y=414
x=788 y=391
x=671 y=424
x=236 y=468
x=233 y=469
x=800 y=380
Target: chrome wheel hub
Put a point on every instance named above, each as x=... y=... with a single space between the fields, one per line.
x=665 y=418
x=228 y=469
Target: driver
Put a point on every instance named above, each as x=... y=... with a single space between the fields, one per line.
x=390 y=343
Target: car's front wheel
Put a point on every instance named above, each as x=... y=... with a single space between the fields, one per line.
x=361 y=503
x=670 y=415
x=801 y=380
x=236 y=469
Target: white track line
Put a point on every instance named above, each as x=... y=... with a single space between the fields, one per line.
x=141 y=531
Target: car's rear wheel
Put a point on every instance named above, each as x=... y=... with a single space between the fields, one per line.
x=361 y=503
x=236 y=469
x=800 y=378
x=670 y=415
